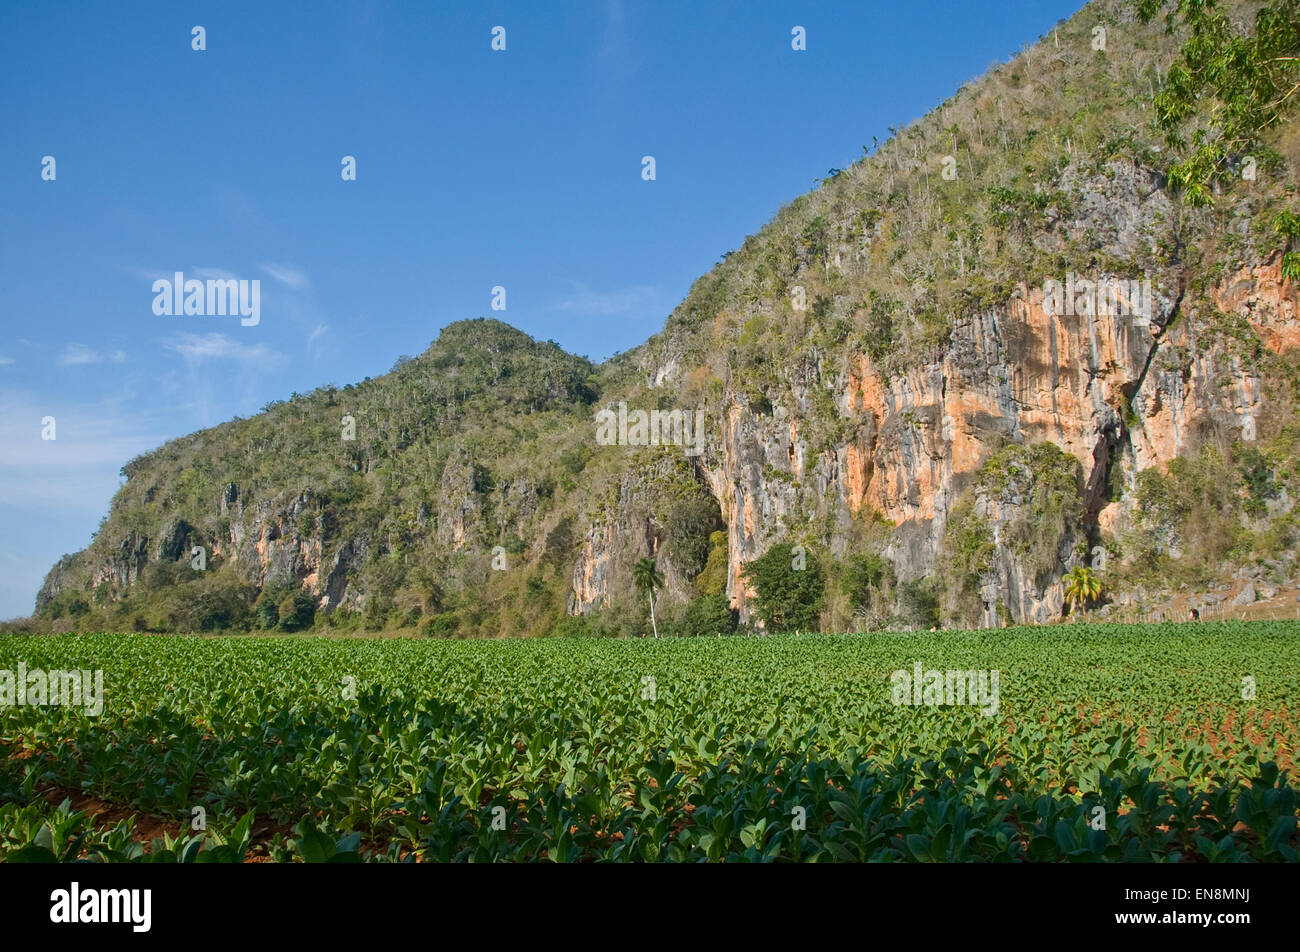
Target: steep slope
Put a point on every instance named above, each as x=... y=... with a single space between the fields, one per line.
x=925 y=346
x=904 y=368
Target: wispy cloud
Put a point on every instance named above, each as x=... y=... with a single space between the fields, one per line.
x=315 y=338
x=586 y=302
x=77 y=354
x=286 y=275
x=5 y=360
x=200 y=347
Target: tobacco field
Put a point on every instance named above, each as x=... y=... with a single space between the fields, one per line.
x=1109 y=743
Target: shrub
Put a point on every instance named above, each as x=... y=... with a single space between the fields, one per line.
x=918 y=604
x=297 y=611
x=266 y=609
x=571 y=626
x=1258 y=476
x=440 y=626
x=691 y=523
x=713 y=579
x=862 y=574
x=212 y=603
x=791 y=588
x=708 y=615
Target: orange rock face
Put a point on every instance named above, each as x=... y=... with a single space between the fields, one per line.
x=1099 y=386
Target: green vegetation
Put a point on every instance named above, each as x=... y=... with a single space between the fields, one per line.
x=1209 y=509
x=561 y=742
x=1082 y=587
x=708 y=615
x=918 y=604
x=790 y=586
x=862 y=577
x=968 y=553
x=1249 y=78
x=713 y=579
x=648 y=578
x=1034 y=492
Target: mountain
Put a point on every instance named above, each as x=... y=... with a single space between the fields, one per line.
x=908 y=373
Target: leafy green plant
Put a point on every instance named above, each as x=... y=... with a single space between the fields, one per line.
x=708 y=615
x=1082 y=587
x=648 y=578
x=555 y=749
x=790 y=586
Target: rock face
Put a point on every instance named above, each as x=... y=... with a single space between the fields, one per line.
x=129 y=562
x=459 y=504
x=635 y=524
x=1114 y=367
x=1020 y=374
x=335 y=586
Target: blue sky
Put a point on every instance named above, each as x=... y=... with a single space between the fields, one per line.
x=475 y=168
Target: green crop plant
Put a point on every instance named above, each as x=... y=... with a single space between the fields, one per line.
x=676 y=749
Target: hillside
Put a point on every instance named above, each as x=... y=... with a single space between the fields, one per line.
x=883 y=379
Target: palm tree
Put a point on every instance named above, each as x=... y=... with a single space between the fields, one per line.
x=1082 y=585
x=647 y=579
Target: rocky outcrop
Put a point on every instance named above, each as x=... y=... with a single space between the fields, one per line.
x=1101 y=387
x=126 y=564
x=459 y=505
x=336 y=589
x=637 y=522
